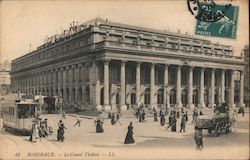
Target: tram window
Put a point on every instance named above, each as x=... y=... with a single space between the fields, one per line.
x=26 y=111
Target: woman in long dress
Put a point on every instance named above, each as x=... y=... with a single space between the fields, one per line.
x=60 y=132
x=99 y=128
x=129 y=137
x=173 y=124
x=34 y=132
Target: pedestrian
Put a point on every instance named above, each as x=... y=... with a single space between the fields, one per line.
x=34 y=132
x=113 y=119
x=143 y=115
x=170 y=120
x=60 y=131
x=109 y=115
x=63 y=115
x=98 y=123
x=140 y=115
x=78 y=122
x=137 y=113
x=183 y=123
x=129 y=137
x=118 y=117
x=43 y=132
x=162 y=121
x=195 y=115
x=186 y=115
x=242 y=111
x=198 y=137
x=155 y=115
x=173 y=124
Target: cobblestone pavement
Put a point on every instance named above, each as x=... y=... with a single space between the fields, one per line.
x=152 y=140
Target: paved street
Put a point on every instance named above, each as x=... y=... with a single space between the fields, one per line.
x=151 y=138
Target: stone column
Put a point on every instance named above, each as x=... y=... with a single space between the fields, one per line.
x=70 y=84
x=123 y=86
x=54 y=83
x=59 y=82
x=222 y=86
x=178 y=88
x=64 y=86
x=190 y=88
x=231 y=100
x=76 y=84
x=138 y=83
x=242 y=88
x=166 y=90
x=106 y=86
x=202 y=103
x=212 y=104
x=152 y=86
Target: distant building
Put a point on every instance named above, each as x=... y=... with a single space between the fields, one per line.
x=246 y=77
x=5 y=78
x=107 y=65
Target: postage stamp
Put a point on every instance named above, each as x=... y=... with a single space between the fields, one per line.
x=225 y=27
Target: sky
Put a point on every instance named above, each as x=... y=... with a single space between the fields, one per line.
x=25 y=24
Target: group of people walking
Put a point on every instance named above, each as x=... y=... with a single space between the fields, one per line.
x=141 y=114
x=115 y=118
x=39 y=129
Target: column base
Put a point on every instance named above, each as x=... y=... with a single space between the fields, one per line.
x=123 y=107
x=191 y=106
x=99 y=107
x=242 y=105
x=212 y=105
x=232 y=105
x=107 y=107
x=167 y=105
x=202 y=105
x=178 y=105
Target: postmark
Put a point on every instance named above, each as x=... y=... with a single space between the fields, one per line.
x=207 y=10
x=225 y=27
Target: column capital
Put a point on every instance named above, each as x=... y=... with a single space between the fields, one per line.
x=74 y=66
x=153 y=64
x=191 y=67
x=166 y=65
x=106 y=59
x=241 y=71
x=123 y=61
x=79 y=65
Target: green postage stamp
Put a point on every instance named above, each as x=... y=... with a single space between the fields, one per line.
x=226 y=27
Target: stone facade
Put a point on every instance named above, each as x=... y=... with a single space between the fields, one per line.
x=107 y=65
x=246 y=76
x=4 y=78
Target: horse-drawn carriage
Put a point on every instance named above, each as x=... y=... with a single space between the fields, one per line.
x=223 y=119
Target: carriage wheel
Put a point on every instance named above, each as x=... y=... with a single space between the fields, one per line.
x=217 y=129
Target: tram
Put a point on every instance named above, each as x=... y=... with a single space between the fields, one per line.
x=18 y=114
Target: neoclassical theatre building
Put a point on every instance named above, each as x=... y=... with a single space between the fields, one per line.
x=107 y=65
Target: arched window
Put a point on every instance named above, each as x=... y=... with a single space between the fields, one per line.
x=160 y=96
x=195 y=97
x=147 y=96
x=184 y=97
x=102 y=97
x=172 y=96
